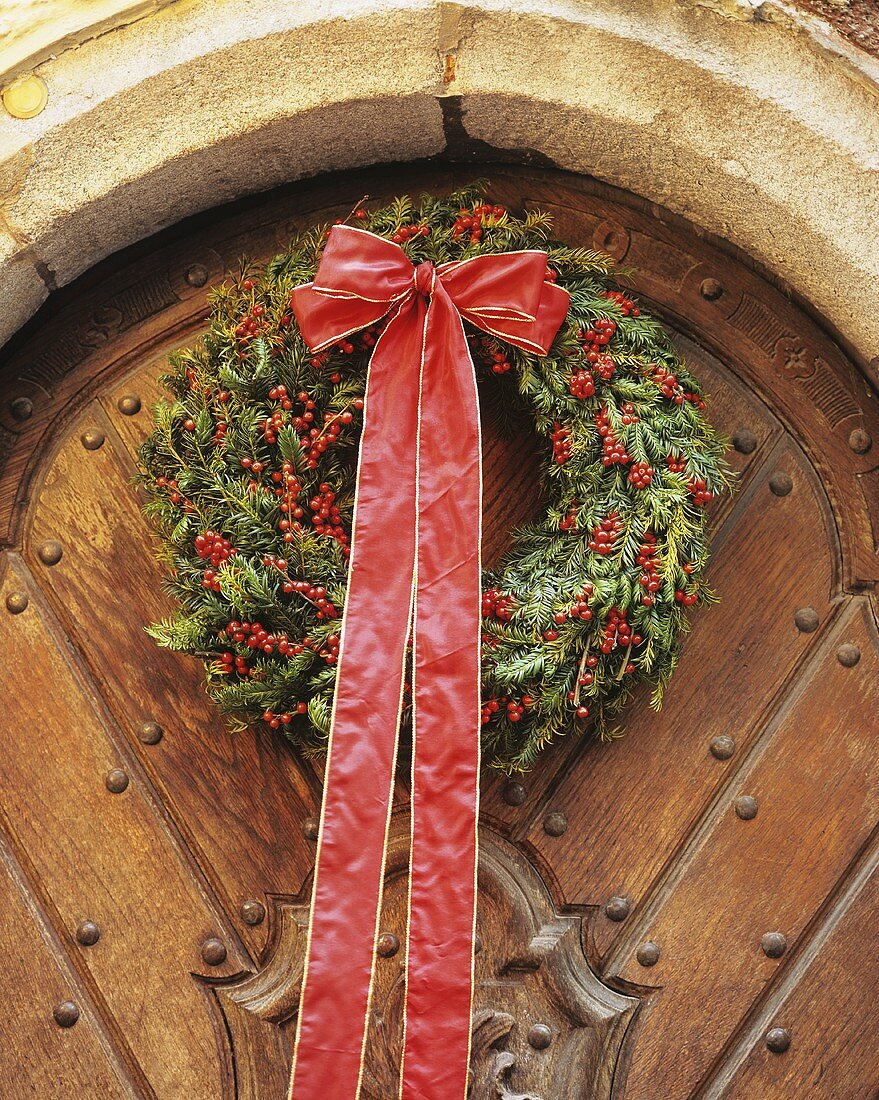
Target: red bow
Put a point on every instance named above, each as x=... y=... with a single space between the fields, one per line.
x=415 y=545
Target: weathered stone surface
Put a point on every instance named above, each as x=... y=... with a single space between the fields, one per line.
x=23 y=291
x=190 y=105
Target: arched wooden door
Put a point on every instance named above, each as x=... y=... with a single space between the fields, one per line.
x=691 y=911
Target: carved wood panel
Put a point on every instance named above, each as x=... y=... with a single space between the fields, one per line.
x=700 y=909
x=543 y=1024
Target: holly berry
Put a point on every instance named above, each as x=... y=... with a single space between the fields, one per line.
x=211 y=546
x=614 y=449
x=627 y=306
x=667 y=382
x=582 y=384
x=569 y=521
x=594 y=341
x=497 y=605
x=561 y=443
x=407 y=232
x=641 y=474
x=700 y=493
x=470 y=222
x=648 y=560
x=326 y=517
x=605 y=533
x=676 y=464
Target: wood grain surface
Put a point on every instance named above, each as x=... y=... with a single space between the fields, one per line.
x=688 y=911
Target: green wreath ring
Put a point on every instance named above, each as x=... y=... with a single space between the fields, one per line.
x=250 y=476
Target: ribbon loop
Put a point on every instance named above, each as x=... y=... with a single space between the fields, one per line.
x=415 y=557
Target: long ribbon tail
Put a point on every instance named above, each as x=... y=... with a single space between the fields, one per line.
x=348 y=876
x=445 y=774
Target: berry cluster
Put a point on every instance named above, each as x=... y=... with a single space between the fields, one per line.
x=618 y=634
x=211 y=546
x=316 y=594
x=497 y=605
x=469 y=222
x=686 y=598
x=677 y=464
x=514 y=709
x=326 y=517
x=582 y=384
x=579 y=608
x=614 y=448
x=605 y=534
x=561 y=443
x=287 y=487
x=667 y=382
x=174 y=494
x=255 y=636
x=569 y=521
x=230 y=663
x=594 y=341
x=641 y=474
x=254 y=323
x=648 y=561
x=407 y=232
x=627 y=306
x=500 y=364
x=275 y=720
x=700 y=493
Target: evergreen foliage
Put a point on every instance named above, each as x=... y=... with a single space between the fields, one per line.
x=252 y=498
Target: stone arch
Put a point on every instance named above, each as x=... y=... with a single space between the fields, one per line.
x=190 y=105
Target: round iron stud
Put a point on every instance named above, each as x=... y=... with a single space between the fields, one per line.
x=722 y=747
x=196 y=275
x=16 y=602
x=860 y=441
x=252 y=911
x=213 y=951
x=310 y=828
x=388 y=945
x=744 y=441
x=648 y=953
x=514 y=793
x=22 y=408
x=128 y=404
x=50 y=552
x=710 y=289
x=774 y=944
x=92 y=439
x=778 y=1040
x=806 y=620
x=66 y=1014
x=88 y=933
x=539 y=1036
x=746 y=807
x=116 y=781
x=781 y=483
x=848 y=655
x=617 y=908
x=555 y=824
x=150 y=732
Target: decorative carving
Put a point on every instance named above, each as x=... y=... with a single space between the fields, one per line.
x=532 y=980
x=490 y=1064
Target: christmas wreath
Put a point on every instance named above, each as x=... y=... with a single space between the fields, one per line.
x=250 y=472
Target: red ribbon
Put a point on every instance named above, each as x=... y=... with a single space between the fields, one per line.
x=415 y=556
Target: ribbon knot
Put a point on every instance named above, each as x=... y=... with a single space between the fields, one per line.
x=425 y=274
x=415 y=562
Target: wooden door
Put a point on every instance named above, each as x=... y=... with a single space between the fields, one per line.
x=691 y=911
